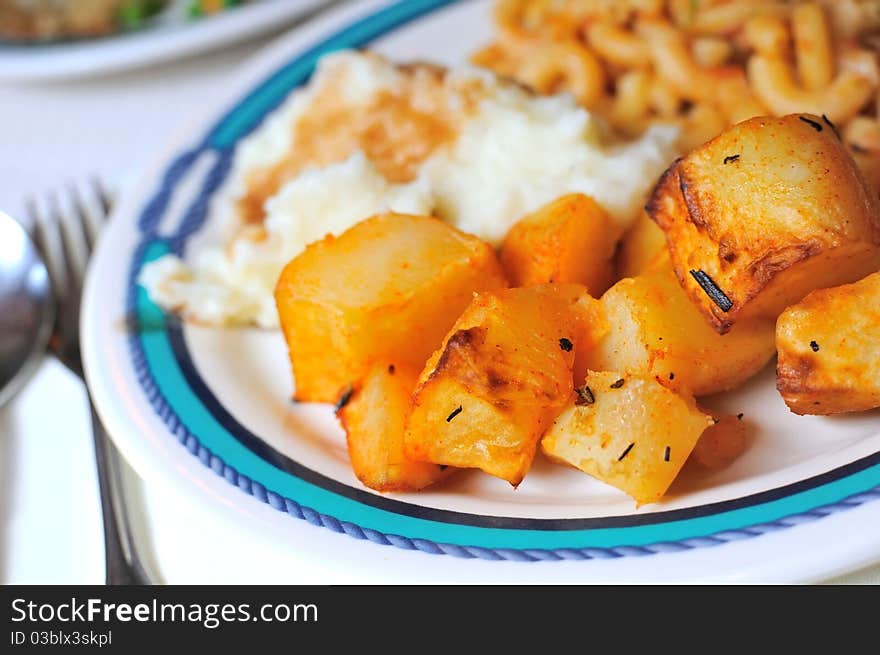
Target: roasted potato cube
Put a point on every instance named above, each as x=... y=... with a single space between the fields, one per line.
x=763 y=214
x=722 y=443
x=501 y=376
x=656 y=331
x=591 y=327
x=829 y=350
x=570 y=240
x=388 y=289
x=374 y=417
x=640 y=246
x=628 y=431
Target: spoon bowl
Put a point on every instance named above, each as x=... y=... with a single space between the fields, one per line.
x=26 y=307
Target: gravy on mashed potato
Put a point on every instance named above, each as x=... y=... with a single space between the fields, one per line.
x=367 y=136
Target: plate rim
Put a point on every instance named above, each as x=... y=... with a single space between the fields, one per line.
x=260 y=493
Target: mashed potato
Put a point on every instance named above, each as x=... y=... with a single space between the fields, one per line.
x=367 y=136
x=520 y=152
x=235 y=285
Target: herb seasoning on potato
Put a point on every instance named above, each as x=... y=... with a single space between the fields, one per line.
x=795 y=214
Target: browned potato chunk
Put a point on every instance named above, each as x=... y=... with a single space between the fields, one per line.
x=764 y=213
x=503 y=373
x=656 y=331
x=640 y=246
x=631 y=432
x=722 y=443
x=591 y=327
x=829 y=350
x=374 y=419
x=388 y=289
x=570 y=240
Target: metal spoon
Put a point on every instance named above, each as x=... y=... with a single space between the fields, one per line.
x=26 y=307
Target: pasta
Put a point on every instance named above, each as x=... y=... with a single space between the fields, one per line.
x=618 y=46
x=701 y=64
x=812 y=41
x=776 y=86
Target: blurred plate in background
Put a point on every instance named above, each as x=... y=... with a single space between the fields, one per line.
x=168 y=37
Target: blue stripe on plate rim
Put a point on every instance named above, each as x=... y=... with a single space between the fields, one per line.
x=192 y=414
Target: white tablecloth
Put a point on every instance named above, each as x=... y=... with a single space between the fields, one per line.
x=50 y=529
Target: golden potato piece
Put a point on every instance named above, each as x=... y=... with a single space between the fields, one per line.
x=591 y=327
x=829 y=350
x=631 y=432
x=500 y=378
x=763 y=214
x=570 y=240
x=722 y=443
x=656 y=331
x=388 y=289
x=374 y=417
x=641 y=244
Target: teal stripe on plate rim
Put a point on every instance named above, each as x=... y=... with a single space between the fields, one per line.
x=185 y=414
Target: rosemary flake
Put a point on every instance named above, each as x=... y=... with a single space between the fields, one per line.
x=816 y=126
x=712 y=290
x=584 y=396
x=832 y=126
x=345 y=397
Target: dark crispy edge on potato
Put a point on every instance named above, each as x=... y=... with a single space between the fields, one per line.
x=793 y=381
x=653 y=206
x=455 y=358
x=666 y=202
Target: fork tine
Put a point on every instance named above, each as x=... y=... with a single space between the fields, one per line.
x=73 y=239
x=46 y=236
x=71 y=263
x=104 y=196
x=83 y=207
x=30 y=208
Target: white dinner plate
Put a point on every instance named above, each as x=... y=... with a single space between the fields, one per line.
x=161 y=40
x=206 y=414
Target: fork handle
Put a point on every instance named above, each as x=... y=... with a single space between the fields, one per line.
x=123 y=566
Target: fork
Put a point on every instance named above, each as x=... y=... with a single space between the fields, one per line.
x=66 y=228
